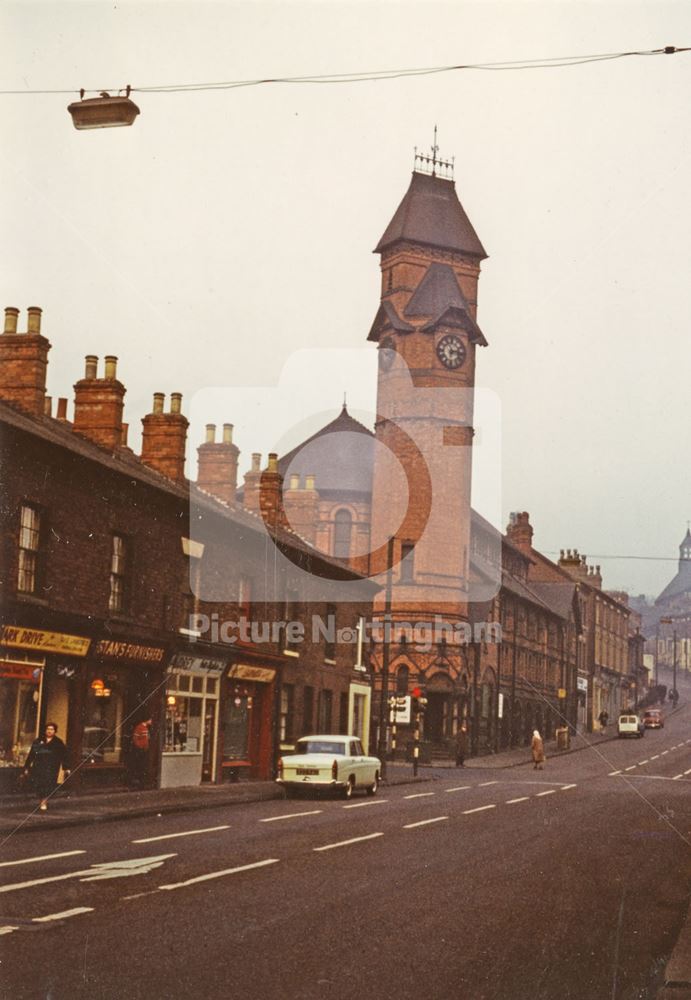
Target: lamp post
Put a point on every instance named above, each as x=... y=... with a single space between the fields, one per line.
x=384 y=697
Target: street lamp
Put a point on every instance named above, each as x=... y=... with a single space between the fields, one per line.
x=104 y=111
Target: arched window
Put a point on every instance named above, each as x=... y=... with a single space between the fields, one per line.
x=402 y=680
x=343 y=525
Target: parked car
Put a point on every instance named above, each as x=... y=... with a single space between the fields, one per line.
x=630 y=725
x=653 y=719
x=329 y=763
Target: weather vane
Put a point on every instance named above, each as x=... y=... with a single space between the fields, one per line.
x=433 y=164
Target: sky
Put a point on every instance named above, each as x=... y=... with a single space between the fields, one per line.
x=222 y=246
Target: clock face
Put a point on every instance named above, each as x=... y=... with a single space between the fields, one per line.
x=451 y=351
x=386 y=354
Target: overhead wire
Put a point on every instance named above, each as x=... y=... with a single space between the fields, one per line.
x=553 y=62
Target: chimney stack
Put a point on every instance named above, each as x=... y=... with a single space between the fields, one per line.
x=302 y=507
x=252 y=484
x=61 y=413
x=98 y=404
x=217 y=469
x=23 y=362
x=164 y=437
x=520 y=532
x=271 y=494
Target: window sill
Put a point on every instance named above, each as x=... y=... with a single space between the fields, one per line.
x=291 y=652
x=33 y=599
x=330 y=663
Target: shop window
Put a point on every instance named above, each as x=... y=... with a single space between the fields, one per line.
x=18 y=713
x=101 y=740
x=211 y=685
x=236 y=725
x=29 y=549
x=287 y=706
x=183 y=729
x=118 y=574
x=325 y=711
x=343 y=527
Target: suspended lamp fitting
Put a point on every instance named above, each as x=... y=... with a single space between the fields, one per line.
x=104 y=111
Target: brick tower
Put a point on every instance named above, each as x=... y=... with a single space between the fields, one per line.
x=427 y=334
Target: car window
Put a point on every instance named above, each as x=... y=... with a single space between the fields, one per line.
x=358 y=749
x=320 y=746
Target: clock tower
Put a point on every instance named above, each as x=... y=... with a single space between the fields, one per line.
x=427 y=336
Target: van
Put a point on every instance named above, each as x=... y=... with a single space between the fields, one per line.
x=630 y=725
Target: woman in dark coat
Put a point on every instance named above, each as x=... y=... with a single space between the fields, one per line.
x=46 y=757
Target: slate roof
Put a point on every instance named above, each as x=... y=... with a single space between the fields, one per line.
x=431 y=213
x=681 y=584
x=439 y=296
x=387 y=316
x=340 y=455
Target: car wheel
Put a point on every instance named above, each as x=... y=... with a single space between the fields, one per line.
x=372 y=789
x=349 y=788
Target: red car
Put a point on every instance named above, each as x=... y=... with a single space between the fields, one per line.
x=653 y=719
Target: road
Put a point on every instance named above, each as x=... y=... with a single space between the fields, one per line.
x=571 y=882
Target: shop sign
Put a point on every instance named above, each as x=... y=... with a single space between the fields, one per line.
x=582 y=683
x=198 y=664
x=21 y=671
x=112 y=649
x=245 y=672
x=46 y=642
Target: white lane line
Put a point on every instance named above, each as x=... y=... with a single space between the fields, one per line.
x=688 y=772
x=460 y=788
x=479 y=809
x=41 y=857
x=275 y=819
x=95 y=872
x=630 y=768
x=226 y=871
x=418 y=795
x=550 y=791
x=424 y=822
x=612 y=773
x=664 y=752
x=185 y=833
x=511 y=802
x=65 y=913
x=483 y=784
x=565 y=788
x=359 y=805
x=677 y=777
x=641 y=762
x=655 y=757
x=344 y=843
x=8 y=930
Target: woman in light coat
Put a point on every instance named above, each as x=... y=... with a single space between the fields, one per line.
x=538 y=749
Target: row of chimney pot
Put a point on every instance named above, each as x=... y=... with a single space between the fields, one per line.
x=98 y=411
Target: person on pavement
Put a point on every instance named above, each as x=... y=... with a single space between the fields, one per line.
x=603 y=719
x=461 y=745
x=139 y=754
x=538 y=748
x=47 y=755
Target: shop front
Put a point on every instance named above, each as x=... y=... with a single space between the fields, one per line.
x=121 y=686
x=247 y=715
x=190 y=731
x=35 y=668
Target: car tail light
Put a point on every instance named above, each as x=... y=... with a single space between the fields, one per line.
x=334 y=770
x=280 y=767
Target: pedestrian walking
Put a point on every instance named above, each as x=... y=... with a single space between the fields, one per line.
x=461 y=745
x=603 y=719
x=47 y=755
x=538 y=749
x=139 y=754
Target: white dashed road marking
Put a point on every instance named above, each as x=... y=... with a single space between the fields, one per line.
x=655 y=757
x=641 y=763
x=111 y=869
x=186 y=833
x=42 y=857
x=8 y=930
x=479 y=809
x=630 y=768
x=612 y=773
x=221 y=874
x=63 y=916
x=565 y=788
x=550 y=791
x=483 y=784
x=359 y=805
x=460 y=788
x=523 y=798
x=274 y=819
x=424 y=822
x=418 y=795
x=344 y=843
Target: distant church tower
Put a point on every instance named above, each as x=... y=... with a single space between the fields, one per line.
x=427 y=335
